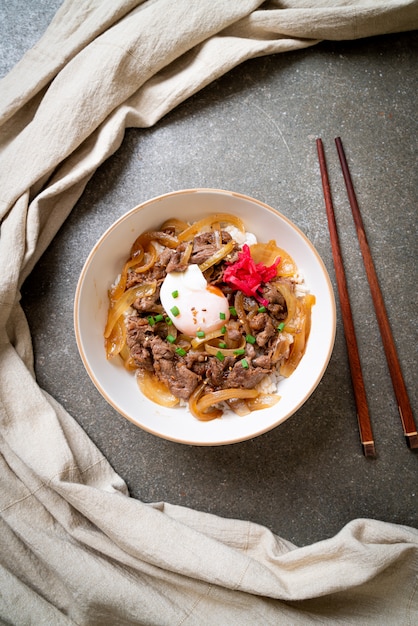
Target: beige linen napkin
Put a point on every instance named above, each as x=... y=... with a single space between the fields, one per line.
x=75 y=548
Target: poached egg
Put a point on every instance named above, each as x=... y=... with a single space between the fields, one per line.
x=193 y=305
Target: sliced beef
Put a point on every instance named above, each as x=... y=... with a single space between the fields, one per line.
x=139 y=330
x=206 y=244
x=250 y=353
x=142 y=357
x=148 y=304
x=246 y=378
x=171 y=370
x=258 y=322
x=264 y=361
x=277 y=304
x=278 y=311
x=264 y=328
x=157 y=272
x=178 y=261
x=217 y=371
x=139 y=334
x=273 y=294
x=233 y=331
x=179 y=379
x=197 y=362
x=160 y=266
x=161 y=350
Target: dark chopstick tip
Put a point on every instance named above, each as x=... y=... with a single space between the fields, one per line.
x=369 y=450
x=412 y=440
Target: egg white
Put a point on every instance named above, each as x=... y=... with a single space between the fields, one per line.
x=200 y=308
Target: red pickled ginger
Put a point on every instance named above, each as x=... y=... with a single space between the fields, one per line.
x=248 y=276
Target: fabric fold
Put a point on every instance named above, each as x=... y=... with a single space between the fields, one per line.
x=75 y=547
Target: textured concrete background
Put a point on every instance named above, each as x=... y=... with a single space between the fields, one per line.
x=254 y=131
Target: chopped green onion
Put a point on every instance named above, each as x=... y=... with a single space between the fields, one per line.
x=175 y=294
x=170 y=338
x=222 y=344
x=175 y=311
x=168 y=321
x=222 y=316
x=180 y=351
x=200 y=333
x=244 y=363
x=281 y=326
x=151 y=320
x=220 y=356
x=250 y=338
x=159 y=318
x=262 y=309
x=233 y=310
x=223 y=330
x=239 y=351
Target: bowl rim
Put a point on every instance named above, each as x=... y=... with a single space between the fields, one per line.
x=76 y=317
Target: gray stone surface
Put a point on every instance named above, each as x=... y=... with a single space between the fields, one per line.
x=254 y=131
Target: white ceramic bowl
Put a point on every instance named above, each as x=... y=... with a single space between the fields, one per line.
x=119 y=387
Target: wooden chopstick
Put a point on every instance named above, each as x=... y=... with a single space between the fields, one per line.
x=363 y=417
x=399 y=387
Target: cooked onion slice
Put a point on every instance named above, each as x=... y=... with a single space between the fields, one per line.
x=118 y=307
x=203 y=416
x=263 y=401
x=199 y=226
x=213 y=397
x=154 y=389
x=291 y=303
x=128 y=361
x=281 y=347
x=150 y=256
x=163 y=238
x=211 y=349
x=174 y=224
x=310 y=300
x=198 y=341
x=217 y=256
x=118 y=289
x=267 y=253
x=287 y=266
x=185 y=257
x=242 y=315
x=238 y=406
x=116 y=340
x=297 y=350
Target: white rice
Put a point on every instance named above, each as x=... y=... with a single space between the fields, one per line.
x=239 y=237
